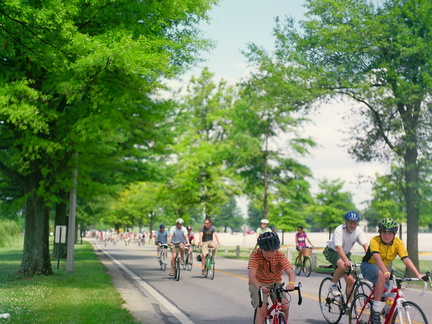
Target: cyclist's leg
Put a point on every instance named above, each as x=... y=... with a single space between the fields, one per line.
x=349 y=280
x=182 y=250
x=204 y=252
x=300 y=255
x=173 y=257
x=260 y=312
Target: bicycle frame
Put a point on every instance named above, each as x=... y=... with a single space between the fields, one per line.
x=274 y=311
x=399 y=300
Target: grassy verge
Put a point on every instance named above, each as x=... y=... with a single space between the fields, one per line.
x=85 y=296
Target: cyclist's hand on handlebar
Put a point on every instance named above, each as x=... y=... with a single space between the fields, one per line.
x=265 y=289
x=290 y=286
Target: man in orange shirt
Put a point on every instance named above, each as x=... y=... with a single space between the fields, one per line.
x=266 y=266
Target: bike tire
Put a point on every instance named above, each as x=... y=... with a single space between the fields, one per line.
x=307 y=266
x=189 y=261
x=297 y=266
x=177 y=265
x=330 y=306
x=163 y=260
x=412 y=311
x=359 y=312
x=363 y=288
x=282 y=319
x=212 y=267
x=186 y=255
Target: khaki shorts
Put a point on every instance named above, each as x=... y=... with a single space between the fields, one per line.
x=254 y=294
x=205 y=246
x=176 y=246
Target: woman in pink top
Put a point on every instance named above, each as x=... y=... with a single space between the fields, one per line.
x=300 y=240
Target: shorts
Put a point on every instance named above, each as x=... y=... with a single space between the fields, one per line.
x=333 y=257
x=176 y=246
x=370 y=272
x=254 y=294
x=298 y=247
x=205 y=246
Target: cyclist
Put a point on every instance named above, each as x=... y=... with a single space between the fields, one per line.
x=266 y=265
x=177 y=236
x=191 y=237
x=300 y=240
x=206 y=239
x=383 y=249
x=338 y=250
x=161 y=238
x=263 y=227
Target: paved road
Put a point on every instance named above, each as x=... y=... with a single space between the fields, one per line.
x=154 y=297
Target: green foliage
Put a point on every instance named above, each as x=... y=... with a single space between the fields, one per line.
x=331 y=204
x=9 y=232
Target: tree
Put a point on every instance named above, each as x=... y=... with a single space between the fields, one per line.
x=80 y=78
x=331 y=204
x=268 y=108
x=229 y=216
x=378 y=55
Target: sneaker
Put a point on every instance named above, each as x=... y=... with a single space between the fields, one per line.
x=334 y=290
x=182 y=261
x=203 y=272
x=375 y=317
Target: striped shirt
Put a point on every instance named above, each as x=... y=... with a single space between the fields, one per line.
x=269 y=271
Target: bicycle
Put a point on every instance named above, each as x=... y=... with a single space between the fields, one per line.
x=333 y=307
x=163 y=256
x=177 y=262
x=210 y=264
x=401 y=311
x=188 y=258
x=306 y=265
x=275 y=315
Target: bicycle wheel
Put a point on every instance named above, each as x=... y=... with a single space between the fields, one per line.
x=177 y=266
x=297 y=266
x=212 y=267
x=411 y=313
x=189 y=261
x=186 y=256
x=282 y=319
x=330 y=306
x=363 y=288
x=307 y=266
x=162 y=259
x=360 y=313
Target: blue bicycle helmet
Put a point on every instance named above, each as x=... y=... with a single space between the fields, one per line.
x=269 y=241
x=352 y=216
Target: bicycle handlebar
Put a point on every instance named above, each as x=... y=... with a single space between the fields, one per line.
x=396 y=281
x=279 y=290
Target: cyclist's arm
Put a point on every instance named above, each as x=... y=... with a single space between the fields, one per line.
x=365 y=247
x=254 y=281
x=169 y=238
x=291 y=277
x=216 y=235
x=296 y=240
x=187 y=238
x=410 y=265
x=307 y=237
x=200 y=238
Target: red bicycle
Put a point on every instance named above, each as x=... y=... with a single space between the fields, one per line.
x=275 y=315
x=401 y=312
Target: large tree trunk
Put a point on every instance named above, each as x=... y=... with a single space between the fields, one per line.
x=36 y=256
x=412 y=199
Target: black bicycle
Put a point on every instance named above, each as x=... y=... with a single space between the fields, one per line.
x=177 y=262
x=333 y=307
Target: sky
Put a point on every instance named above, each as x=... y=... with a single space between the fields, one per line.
x=234 y=24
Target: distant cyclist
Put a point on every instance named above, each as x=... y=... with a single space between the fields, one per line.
x=161 y=237
x=383 y=249
x=177 y=238
x=206 y=240
x=263 y=227
x=338 y=250
x=191 y=237
x=300 y=240
x=266 y=266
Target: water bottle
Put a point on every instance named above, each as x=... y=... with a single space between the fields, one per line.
x=388 y=304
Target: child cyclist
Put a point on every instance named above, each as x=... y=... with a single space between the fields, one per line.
x=266 y=265
x=383 y=249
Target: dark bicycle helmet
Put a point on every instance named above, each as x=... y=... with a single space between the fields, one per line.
x=268 y=241
x=352 y=216
x=388 y=225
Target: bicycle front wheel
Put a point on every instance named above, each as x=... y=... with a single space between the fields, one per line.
x=307 y=266
x=281 y=318
x=297 y=266
x=212 y=274
x=363 y=288
x=177 y=266
x=410 y=313
x=189 y=261
x=163 y=259
x=330 y=306
x=359 y=311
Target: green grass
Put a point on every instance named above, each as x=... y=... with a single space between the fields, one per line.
x=84 y=296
